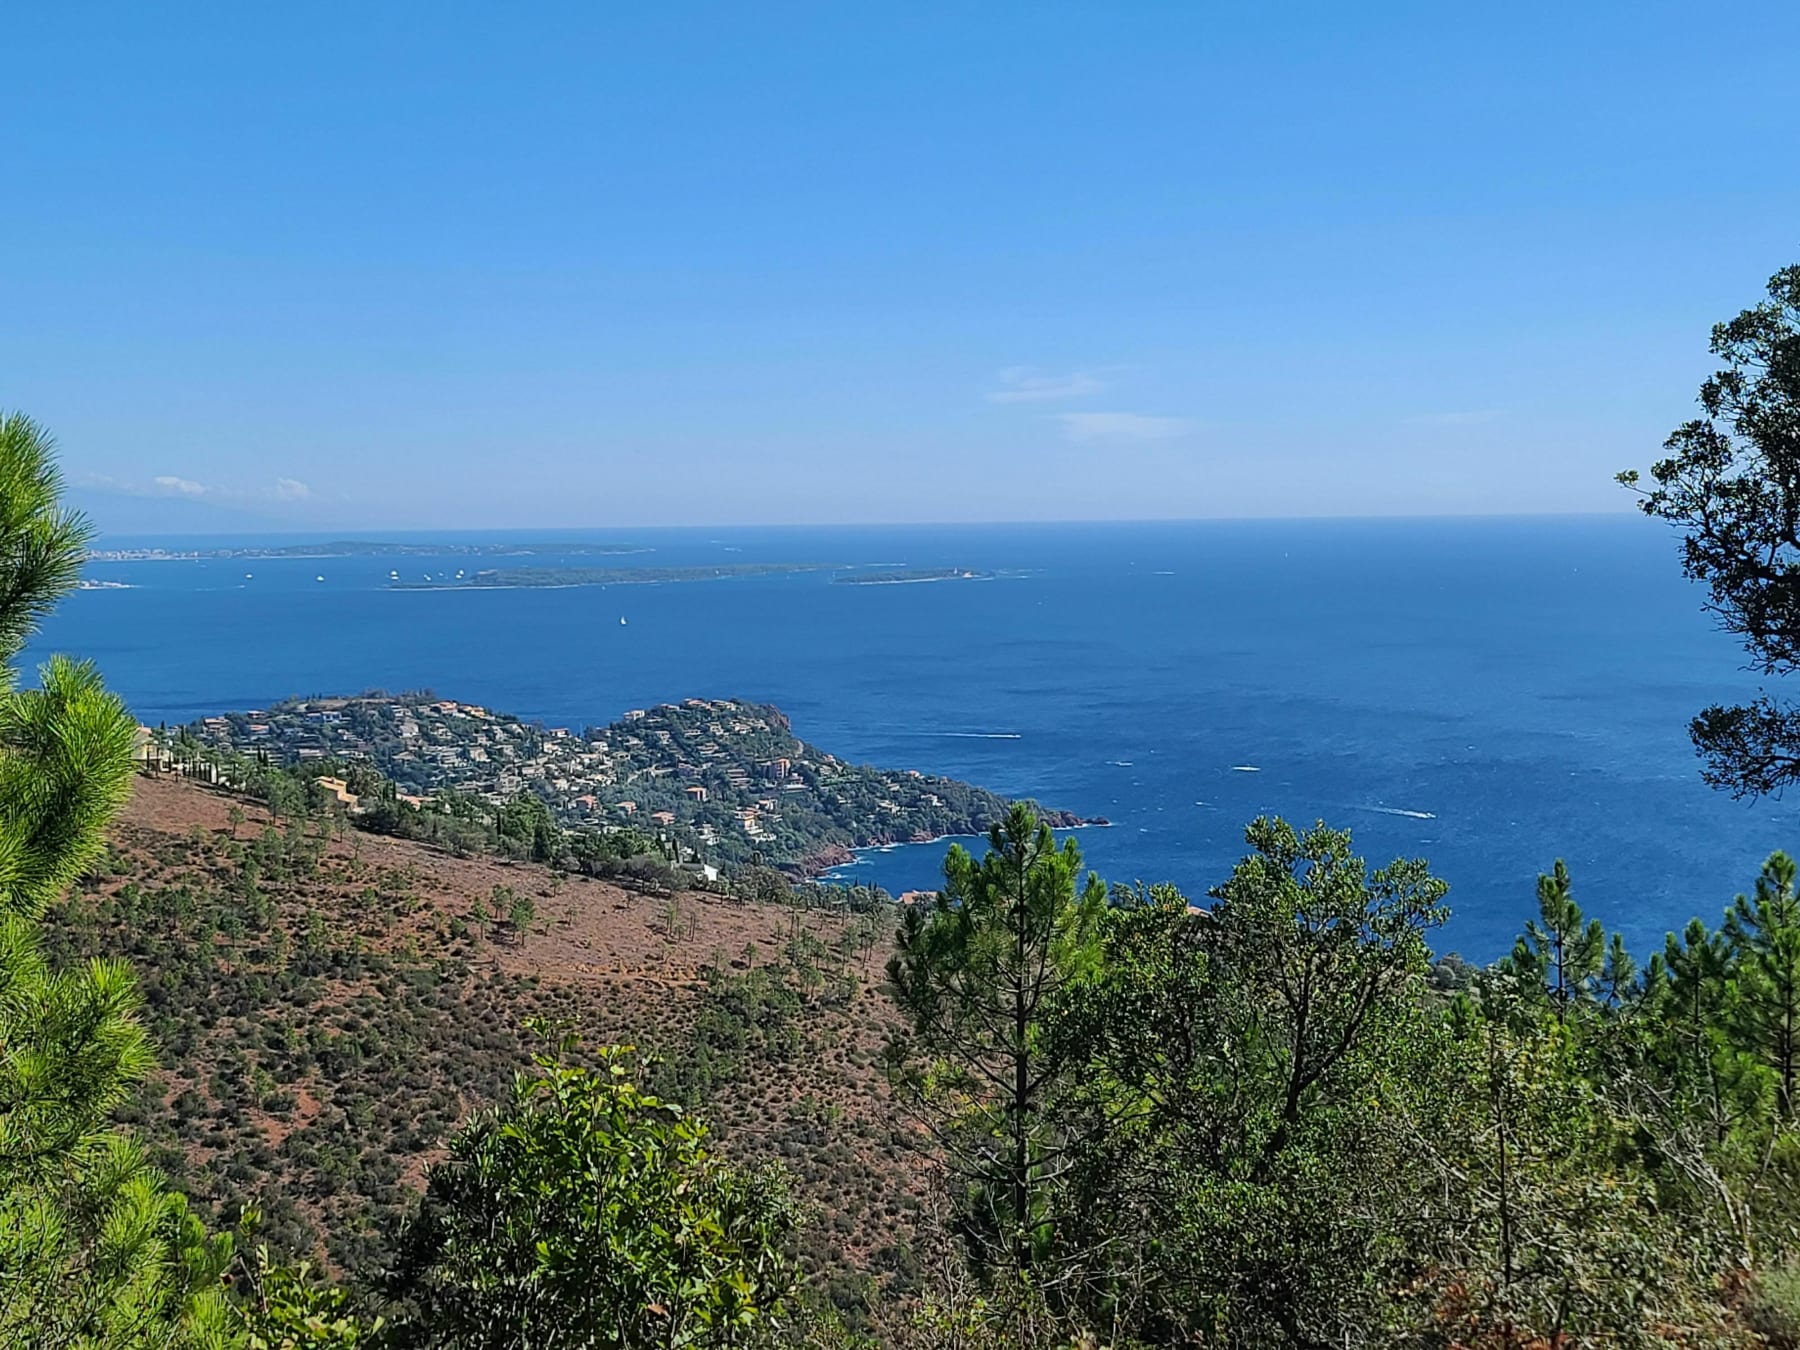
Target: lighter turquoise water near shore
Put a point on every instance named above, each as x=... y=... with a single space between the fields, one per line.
x=1489 y=694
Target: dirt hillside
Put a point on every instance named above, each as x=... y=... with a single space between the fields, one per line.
x=329 y=1004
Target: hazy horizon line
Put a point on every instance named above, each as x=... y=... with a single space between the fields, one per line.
x=355 y=531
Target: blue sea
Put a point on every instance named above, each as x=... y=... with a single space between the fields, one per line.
x=1488 y=694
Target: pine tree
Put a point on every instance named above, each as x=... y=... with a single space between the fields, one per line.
x=1763 y=930
x=979 y=975
x=1560 y=957
x=94 y=1249
x=1686 y=990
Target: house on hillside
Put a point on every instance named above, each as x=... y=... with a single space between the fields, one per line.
x=148 y=755
x=340 y=790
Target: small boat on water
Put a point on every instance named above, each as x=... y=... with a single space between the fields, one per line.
x=621 y=620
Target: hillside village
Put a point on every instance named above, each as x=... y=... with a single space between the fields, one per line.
x=727 y=778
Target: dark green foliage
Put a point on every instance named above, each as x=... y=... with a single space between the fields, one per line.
x=1552 y=1229
x=1731 y=481
x=1262 y=1070
x=464 y=825
x=1763 y=932
x=763 y=885
x=526 y=826
x=587 y=1213
x=747 y=1019
x=1275 y=1124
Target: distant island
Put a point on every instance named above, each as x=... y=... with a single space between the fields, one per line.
x=727 y=779
x=904 y=575
x=357 y=548
x=513 y=578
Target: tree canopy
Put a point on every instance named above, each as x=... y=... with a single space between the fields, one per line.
x=586 y=1212
x=1731 y=481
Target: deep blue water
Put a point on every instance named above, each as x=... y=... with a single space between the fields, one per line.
x=1489 y=694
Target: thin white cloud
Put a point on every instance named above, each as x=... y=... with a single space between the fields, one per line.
x=1122 y=426
x=289 y=490
x=1023 y=384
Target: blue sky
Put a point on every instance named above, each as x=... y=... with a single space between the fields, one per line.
x=581 y=265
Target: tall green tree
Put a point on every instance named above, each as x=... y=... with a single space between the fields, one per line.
x=1562 y=957
x=527 y=828
x=1763 y=932
x=1253 y=1083
x=1322 y=1065
x=94 y=1249
x=980 y=973
x=1731 y=481
x=1687 y=990
x=1326 y=946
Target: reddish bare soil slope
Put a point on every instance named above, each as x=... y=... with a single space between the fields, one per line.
x=328 y=1005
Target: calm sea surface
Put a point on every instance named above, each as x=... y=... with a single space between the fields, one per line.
x=1488 y=694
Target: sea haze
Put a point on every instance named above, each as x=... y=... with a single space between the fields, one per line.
x=1489 y=694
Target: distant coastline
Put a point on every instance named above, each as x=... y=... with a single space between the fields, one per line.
x=357 y=548
x=556 y=578
x=908 y=576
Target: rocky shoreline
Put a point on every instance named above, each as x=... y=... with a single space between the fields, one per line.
x=832 y=856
